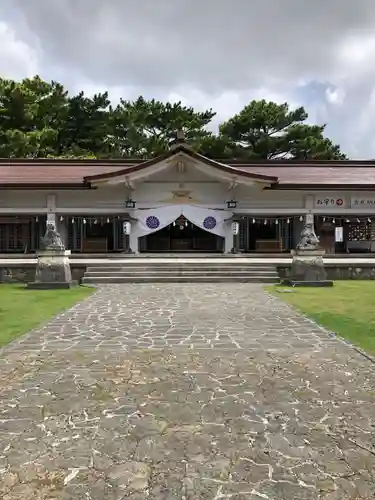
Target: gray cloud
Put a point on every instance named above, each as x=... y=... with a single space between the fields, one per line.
x=204 y=50
x=209 y=43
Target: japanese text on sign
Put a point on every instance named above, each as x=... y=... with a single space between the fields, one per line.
x=329 y=202
x=363 y=202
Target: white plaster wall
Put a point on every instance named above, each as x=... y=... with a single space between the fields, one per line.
x=157 y=191
x=153 y=193
x=204 y=189
x=23 y=199
x=255 y=197
x=110 y=197
x=145 y=194
x=204 y=193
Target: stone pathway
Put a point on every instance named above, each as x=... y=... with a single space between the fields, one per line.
x=185 y=392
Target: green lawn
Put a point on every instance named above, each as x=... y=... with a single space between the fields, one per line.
x=22 y=309
x=348 y=309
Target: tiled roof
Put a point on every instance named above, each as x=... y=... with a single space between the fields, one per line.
x=21 y=172
x=316 y=174
x=51 y=172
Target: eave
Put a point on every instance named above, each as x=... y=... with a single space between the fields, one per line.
x=40 y=186
x=322 y=187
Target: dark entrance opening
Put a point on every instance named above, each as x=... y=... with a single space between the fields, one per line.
x=182 y=236
x=98 y=237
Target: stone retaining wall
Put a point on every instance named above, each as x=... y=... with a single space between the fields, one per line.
x=338 y=271
x=26 y=273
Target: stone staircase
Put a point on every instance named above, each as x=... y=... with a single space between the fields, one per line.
x=181 y=271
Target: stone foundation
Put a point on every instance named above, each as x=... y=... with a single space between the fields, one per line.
x=338 y=271
x=26 y=273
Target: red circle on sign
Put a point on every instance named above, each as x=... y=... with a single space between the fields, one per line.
x=339 y=202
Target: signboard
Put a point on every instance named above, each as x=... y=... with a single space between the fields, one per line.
x=329 y=202
x=362 y=202
x=339 y=234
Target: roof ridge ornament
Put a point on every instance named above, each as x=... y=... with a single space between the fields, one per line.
x=180 y=136
x=180 y=140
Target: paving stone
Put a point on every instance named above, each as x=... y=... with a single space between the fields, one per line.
x=176 y=391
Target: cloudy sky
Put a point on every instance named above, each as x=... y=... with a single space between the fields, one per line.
x=207 y=53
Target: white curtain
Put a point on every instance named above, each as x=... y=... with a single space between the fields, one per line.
x=207 y=219
x=152 y=220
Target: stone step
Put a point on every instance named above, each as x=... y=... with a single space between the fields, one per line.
x=223 y=268
x=162 y=278
x=162 y=255
x=180 y=272
x=191 y=277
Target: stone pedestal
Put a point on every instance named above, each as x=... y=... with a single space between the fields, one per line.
x=53 y=267
x=52 y=271
x=308 y=265
x=308 y=269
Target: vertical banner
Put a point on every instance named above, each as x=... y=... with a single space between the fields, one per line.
x=235 y=228
x=127 y=227
x=339 y=234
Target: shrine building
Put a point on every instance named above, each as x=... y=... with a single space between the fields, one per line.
x=183 y=202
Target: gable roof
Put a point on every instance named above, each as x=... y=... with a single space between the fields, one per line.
x=181 y=148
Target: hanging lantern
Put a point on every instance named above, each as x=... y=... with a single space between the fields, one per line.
x=324 y=219
x=301 y=219
x=231 y=204
x=95 y=221
x=334 y=221
x=129 y=203
x=276 y=221
x=36 y=219
x=181 y=222
x=368 y=219
x=61 y=218
x=288 y=221
x=253 y=220
x=265 y=222
x=84 y=221
x=235 y=228
x=107 y=220
x=127 y=227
